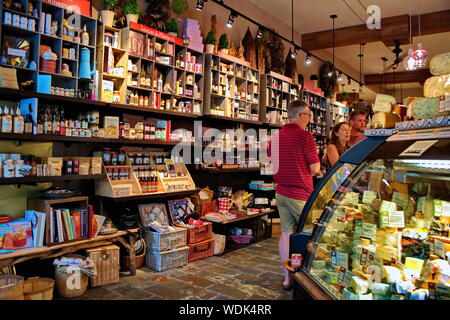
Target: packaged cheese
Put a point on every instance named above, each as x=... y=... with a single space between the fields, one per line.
x=392 y=274
x=437 y=86
x=359 y=286
x=384 y=120
x=384 y=103
x=424 y=108
x=440 y=64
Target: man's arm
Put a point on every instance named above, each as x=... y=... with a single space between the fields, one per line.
x=315 y=168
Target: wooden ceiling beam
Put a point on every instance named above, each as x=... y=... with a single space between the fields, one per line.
x=420 y=76
x=392 y=28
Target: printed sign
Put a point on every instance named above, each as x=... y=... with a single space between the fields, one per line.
x=156 y=33
x=418 y=148
x=439 y=248
x=79 y=6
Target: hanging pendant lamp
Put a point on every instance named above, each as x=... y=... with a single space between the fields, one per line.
x=420 y=54
x=410 y=62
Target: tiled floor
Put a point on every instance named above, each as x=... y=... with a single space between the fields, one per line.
x=250 y=273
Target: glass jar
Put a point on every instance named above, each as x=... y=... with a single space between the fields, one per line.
x=138 y=160
x=146 y=159
x=131 y=157
x=115 y=175
x=107 y=156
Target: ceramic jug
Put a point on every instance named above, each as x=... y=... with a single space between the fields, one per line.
x=85 y=64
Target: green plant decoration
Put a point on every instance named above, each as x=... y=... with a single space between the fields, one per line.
x=326 y=83
x=109 y=4
x=157 y=14
x=344 y=95
x=180 y=6
x=131 y=7
x=210 y=38
x=223 y=42
x=172 y=26
x=313 y=77
x=273 y=54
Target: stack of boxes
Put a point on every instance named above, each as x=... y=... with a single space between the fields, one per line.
x=191 y=30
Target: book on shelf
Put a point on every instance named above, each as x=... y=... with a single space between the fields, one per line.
x=37 y=220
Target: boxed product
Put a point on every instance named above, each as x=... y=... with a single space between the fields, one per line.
x=96 y=165
x=54 y=166
x=107 y=90
x=111 y=125
x=16 y=234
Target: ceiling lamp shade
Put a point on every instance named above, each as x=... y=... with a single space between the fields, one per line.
x=409 y=62
x=421 y=56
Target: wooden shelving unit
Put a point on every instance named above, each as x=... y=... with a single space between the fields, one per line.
x=232 y=87
x=57 y=42
x=27 y=180
x=277 y=92
x=161 y=68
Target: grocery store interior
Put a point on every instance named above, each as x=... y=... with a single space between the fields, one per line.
x=224 y=150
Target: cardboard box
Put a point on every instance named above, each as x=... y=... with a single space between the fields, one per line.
x=16 y=234
x=111 y=125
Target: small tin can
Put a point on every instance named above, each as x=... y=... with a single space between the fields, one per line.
x=296 y=260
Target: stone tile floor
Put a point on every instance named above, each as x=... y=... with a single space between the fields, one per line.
x=250 y=273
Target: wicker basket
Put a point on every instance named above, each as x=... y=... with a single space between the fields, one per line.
x=11 y=287
x=165 y=241
x=77 y=286
x=200 y=233
x=161 y=261
x=201 y=250
x=241 y=239
x=139 y=260
x=38 y=289
x=107 y=262
x=219 y=243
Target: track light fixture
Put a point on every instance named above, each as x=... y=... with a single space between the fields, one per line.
x=200 y=5
x=339 y=78
x=294 y=52
x=349 y=81
x=308 y=59
x=233 y=15
x=259 y=33
x=361 y=87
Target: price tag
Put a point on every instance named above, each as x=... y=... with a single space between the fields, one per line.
x=418 y=148
x=439 y=248
x=363 y=259
x=369 y=196
x=341 y=275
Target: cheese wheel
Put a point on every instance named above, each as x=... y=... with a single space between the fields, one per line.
x=424 y=108
x=384 y=120
x=384 y=103
x=440 y=64
x=437 y=86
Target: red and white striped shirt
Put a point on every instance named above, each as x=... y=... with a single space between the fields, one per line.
x=296 y=152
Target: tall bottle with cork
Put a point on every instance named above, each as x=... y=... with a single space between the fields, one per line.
x=7 y=123
x=19 y=123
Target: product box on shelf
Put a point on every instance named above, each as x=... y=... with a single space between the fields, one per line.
x=16 y=234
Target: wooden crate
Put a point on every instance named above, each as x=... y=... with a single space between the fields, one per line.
x=107 y=262
x=165 y=241
x=44 y=205
x=201 y=250
x=161 y=261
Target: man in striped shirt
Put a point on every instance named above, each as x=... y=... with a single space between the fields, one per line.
x=294 y=156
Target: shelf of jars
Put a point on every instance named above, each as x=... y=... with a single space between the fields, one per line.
x=233 y=89
x=135 y=174
x=339 y=112
x=277 y=91
x=162 y=73
x=49 y=53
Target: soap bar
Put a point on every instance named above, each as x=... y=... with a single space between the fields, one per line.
x=440 y=64
x=437 y=86
x=384 y=103
x=359 y=286
x=384 y=120
x=381 y=289
x=424 y=108
x=392 y=274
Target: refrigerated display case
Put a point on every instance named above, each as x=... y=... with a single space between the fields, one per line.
x=376 y=227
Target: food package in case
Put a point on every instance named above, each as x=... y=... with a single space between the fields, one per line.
x=437 y=86
x=392 y=274
x=359 y=286
x=440 y=64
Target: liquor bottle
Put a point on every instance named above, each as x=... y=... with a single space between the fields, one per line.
x=160 y=83
x=155 y=80
x=146 y=101
x=55 y=122
x=148 y=78
x=141 y=101
x=47 y=124
x=28 y=124
x=7 y=124
x=62 y=124
x=19 y=123
x=142 y=80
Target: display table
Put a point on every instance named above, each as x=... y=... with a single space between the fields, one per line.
x=22 y=255
x=242 y=217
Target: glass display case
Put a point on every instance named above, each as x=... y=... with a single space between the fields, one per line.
x=377 y=227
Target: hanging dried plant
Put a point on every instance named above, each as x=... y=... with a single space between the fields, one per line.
x=326 y=83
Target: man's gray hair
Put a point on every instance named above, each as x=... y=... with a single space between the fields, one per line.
x=295 y=108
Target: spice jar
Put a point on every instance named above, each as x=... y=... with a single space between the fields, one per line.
x=146 y=159
x=107 y=156
x=121 y=157
x=138 y=160
x=115 y=175
x=114 y=155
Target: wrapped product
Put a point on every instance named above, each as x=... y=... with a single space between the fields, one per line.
x=384 y=103
x=402 y=287
x=437 y=86
x=359 y=286
x=384 y=120
x=381 y=289
x=424 y=108
x=392 y=274
x=440 y=64
x=350 y=295
x=417 y=294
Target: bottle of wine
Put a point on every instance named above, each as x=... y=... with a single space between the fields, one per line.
x=7 y=124
x=62 y=124
x=142 y=80
x=19 y=123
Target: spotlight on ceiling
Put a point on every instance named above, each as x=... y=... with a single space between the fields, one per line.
x=361 y=87
x=330 y=73
x=294 y=52
x=339 y=78
x=200 y=5
x=259 y=33
x=349 y=81
x=231 y=18
x=308 y=59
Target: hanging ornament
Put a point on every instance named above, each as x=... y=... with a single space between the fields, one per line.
x=409 y=62
x=420 y=56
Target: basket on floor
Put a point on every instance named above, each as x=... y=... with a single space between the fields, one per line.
x=219 y=243
x=38 y=289
x=11 y=287
x=67 y=285
x=241 y=239
x=139 y=260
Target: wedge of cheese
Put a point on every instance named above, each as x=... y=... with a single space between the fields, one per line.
x=424 y=108
x=384 y=103
x=359 y=286
x=437 y=86
x=440 y=64
x=384 y=120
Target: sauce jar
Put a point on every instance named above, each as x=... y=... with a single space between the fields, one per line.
x=114 y=155
x=121 y=157
x=107 y=156
x=138 y=160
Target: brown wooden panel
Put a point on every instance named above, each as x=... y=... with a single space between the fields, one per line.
x=400 y=77
x=430 y=23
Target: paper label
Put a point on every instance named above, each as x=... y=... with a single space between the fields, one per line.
x=369 y=196
x=439 y=248
x=421 y=204
x=441 y=208
x=352 y=197
x=341 y=275
x=369 y=230
x=400 y=199
x=418 y=148
x=339 y=259
x=396 y=219
x=363 y=259
x=357 y=229
x=16 y=52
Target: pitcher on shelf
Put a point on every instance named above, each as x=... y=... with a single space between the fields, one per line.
x=85 y=64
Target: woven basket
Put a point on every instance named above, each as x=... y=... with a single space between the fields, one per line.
x=38 y=289
x=107 y=262
x=167 y=240
x=201 y=250
x=200 y=233
x=219 y=243
x=161 y=261
x=66 y=285
x=11 y=287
